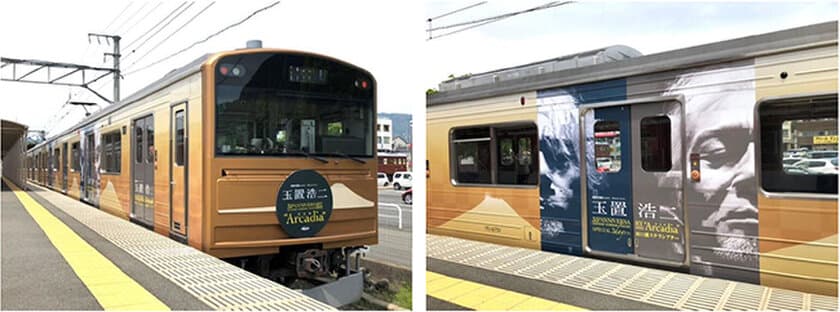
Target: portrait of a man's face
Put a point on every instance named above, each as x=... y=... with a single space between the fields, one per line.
x=723 y=214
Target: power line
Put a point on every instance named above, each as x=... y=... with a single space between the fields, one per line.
x=174 y=32
x=456 y=11
x=156 y=25
x=160 y=29
x=116 y=17
x=208 y=37
x=484 y=21
x=130 y=17
x=144 y=17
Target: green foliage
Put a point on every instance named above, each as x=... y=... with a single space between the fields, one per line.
x=431 y=91
x=403 y=296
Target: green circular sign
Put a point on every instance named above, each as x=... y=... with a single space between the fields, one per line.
x=304 y=203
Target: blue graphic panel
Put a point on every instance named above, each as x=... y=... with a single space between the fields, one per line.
x=559 y=129
x=609 y=191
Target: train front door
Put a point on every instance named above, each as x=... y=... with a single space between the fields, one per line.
x=634 y=181
x=143 y=171
x=178 y=171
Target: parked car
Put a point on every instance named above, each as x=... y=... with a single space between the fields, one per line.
x=406 y=197
x=402 y=179
x=821 y=154
x=818 y=166
x=382 y=179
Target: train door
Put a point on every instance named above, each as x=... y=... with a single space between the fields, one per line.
x=51 y=156
x=634 y=181
x=609 y=214
x=89 y=174
x=178 y=170
x=658 y=181
x=64 y=167
x=143 y=170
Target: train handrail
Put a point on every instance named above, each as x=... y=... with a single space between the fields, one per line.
x=399 y=213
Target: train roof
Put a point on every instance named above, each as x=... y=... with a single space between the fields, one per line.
x=577 y=60
x=729 y=50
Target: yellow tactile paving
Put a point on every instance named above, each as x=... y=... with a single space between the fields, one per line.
x=477 y=296
x=112 y=288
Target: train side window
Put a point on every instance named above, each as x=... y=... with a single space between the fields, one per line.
x=515 y=149
x=655 y=143
x=180 y=150
x=607 y=147
x=495 y=154
x=471 y=159
x=75 y=155
x=799 y=144
x=56 y=160
x=111 y=151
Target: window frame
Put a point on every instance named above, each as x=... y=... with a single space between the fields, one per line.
x=110 y=155
x=757 y=136
x=493 y=142
x=75 y=157
x=670 y=157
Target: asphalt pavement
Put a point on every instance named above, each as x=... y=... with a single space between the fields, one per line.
x=394 y=245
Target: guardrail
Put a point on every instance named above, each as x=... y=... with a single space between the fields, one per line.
x=399 y=213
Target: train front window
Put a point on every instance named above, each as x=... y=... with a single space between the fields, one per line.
x=288 y=104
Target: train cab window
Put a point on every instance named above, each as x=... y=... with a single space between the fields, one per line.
x=607 y=147
x=76 y=162
x=180 y=138
x=799 y=144
x=500 y=155
x=655 y=143
x=111 y=152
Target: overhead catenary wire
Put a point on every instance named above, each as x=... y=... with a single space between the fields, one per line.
x=174 y=32
x=143 y=18
x=130 y=17
x=158 y=31
x=127 y=46
x=483 y=21
x=207 y=38
x=105 y=30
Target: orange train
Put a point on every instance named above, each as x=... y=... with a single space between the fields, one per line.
x=263 y=157
x=719 y=159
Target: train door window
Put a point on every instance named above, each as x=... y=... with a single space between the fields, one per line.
x=138 y=142
x=75 y=157
x=180 y=138
x=56 y=160
x=804 y=160
x=111 y=151
x=150 y=138
x=471 y=148
x=655 y=143
x=607 y=147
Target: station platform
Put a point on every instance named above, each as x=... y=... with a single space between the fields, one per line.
x=564 y=282
x=61 y=254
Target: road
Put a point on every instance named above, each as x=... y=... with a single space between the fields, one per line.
x=394 y=243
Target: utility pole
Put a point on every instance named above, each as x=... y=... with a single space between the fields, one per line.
x=116 y=56
x=66 y=71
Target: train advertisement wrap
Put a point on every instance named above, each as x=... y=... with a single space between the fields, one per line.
x=304 y=203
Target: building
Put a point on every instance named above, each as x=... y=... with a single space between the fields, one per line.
x=810 y=134
x=384 y=134
x=400 y=145
x=390 y=162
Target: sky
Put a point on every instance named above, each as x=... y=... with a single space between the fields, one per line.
x=371 y=34
x=649 y=27
x=388 y=38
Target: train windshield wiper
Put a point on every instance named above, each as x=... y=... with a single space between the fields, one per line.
x=304 y=153
x=340 y=154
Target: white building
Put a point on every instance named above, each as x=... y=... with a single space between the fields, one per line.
x=384 y=134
